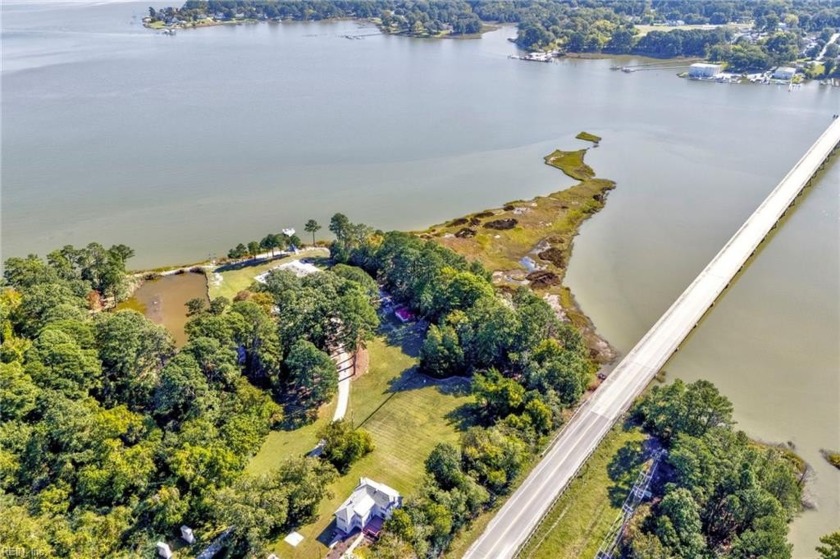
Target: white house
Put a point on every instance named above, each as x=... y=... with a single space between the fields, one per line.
x=703 y=70
x=370 y=504
x=784 y=73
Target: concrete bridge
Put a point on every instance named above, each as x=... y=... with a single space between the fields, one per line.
x=520 y=515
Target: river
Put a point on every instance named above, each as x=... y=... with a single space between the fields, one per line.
x=183 y=146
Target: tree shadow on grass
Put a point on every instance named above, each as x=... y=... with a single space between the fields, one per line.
x=250 y=263
x=624 y=468
x=464 y=417
x=408 y=337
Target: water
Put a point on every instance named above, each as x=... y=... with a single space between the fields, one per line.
x=771 y=343
x=183 y=146
x=164 y=301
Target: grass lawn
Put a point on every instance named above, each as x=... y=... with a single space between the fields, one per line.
x=280 y=445
x=577 y=524
x=237 y=278
x=405 y=413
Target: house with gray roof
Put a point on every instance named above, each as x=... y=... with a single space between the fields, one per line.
x=369 y=505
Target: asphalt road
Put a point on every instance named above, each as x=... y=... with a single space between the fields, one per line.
x=519 y=516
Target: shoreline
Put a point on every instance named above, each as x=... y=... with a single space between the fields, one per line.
x=530 y=242
x=172 y=28
x=527 y=243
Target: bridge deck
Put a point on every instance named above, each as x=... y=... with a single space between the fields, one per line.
x=519 y=516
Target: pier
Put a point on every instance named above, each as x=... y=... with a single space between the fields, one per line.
x=513 y=524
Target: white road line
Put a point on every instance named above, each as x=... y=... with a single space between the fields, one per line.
x=518 y=517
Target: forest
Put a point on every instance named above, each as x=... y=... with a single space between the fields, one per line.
x=111 y=437
x=577 y=26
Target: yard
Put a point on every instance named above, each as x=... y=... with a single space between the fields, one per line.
x=229 y=280
x=405 y=413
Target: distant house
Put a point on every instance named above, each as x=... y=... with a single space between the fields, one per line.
x=784 y=73
x=367 y=508
x=703 y=70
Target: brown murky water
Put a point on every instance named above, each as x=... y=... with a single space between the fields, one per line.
x=164 y=301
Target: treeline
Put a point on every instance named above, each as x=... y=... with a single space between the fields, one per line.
x=269 y=243
x=111 y=438
x=92 y=273
x=576 y=27
x=395 y=16
x=527 y=370
x=723 y=496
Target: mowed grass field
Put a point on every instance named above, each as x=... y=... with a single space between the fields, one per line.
x=578 y=522
x=405 y=413
x=229 y=282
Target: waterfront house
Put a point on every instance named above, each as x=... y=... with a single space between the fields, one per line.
x=784 y=73
x=367 y=508
x=703 y=70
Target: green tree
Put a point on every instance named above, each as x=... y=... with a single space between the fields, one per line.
x=18 y=393
x=255 y=508
x=360 y=278
x=45 y=303
x=441 y=354
x=258 y=340
x=312 y=227
x=340 y=226
x=183 y=392
x=830 y=546
x=307 y=480
x=492 y=457
x=311 y=373
x=239 y=251
x=133 y=351
x=679 y=408
x=344 y=445
x=444 y=464
x=57 y=362
x=497 y=395
x=253 y=249
x=678 y=524
x=552 y=367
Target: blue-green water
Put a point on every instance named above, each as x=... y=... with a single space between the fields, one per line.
x=184 y=146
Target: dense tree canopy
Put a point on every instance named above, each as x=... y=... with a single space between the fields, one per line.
x=724 y=495
x=111 y=438
x=581 y=26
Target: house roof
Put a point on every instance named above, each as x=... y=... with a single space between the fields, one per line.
x=367 y=494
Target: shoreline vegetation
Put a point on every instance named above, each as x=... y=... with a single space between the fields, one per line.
x=587 y=137
x=731 y=33
x=494 y=359
x=529 y=242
